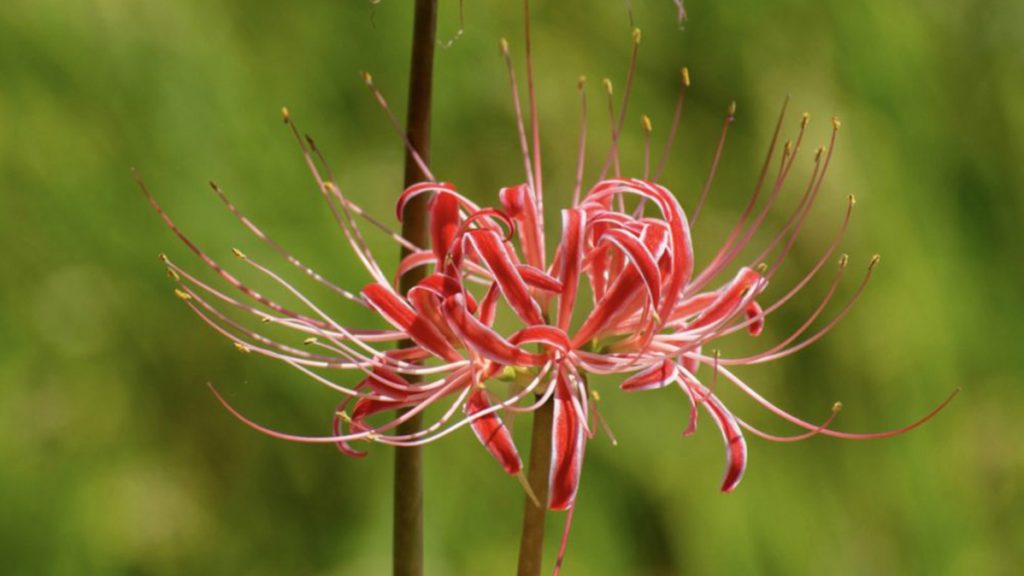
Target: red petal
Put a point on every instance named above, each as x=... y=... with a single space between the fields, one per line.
x=444 y=222
x=566 y=448
x=735 y=445
x=396 y=311
x=657 y=376
x=538 y=278
x=492 y=251
x=728 y=300
x=483 y=340
x=573 y=222
x=492 y=433
x=755 y=313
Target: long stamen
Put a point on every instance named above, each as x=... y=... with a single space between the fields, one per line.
x=582 y=145
x=278 y=248
x=730 y=117
x=413 y=153
x=524 y=145
x=676 y=117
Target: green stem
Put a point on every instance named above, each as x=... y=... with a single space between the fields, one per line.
x=407 y=547
x=531 y=540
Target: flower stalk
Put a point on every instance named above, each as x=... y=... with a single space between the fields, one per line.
x=407 y=551
x=531 y=539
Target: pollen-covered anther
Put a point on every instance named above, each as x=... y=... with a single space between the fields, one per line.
x=761 y=268
x=685 y=73
x=843 y=260
x=837 y=407
x=173 y=275
x=607 y=83
x=732 y=108
x=805 y=119
x=836 y=124
x=637 y=35
x=503 y=46
x=595 y=395
x=581 y=82
x=182 y=294
x=367 y=77
x=874 y=261
x=239 y=254
x=242 y=348
x=265 y=319
x=163 y=258
x=852 y=200
x=285 y=115
x=310 y=341
x=645 y=121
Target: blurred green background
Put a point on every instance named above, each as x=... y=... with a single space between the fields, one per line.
x=116 y=459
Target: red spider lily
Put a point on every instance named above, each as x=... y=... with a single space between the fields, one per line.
x=645 y=311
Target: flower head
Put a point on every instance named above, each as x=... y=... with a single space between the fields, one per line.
x=620 y=295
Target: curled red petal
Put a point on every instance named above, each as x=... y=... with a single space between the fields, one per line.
x=756 y=315
x=735 y=445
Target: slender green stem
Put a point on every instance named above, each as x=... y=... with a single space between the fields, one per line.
x=531 y=540
x=407 y=551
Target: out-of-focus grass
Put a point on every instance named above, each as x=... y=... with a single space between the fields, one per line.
x=117 y=460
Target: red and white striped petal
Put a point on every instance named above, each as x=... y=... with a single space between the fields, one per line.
x=520 y=206
x=735 y=445
x=492 y=433
x=657 y=376
x=571 y=253
x=502 y=266
x=567 y=444
x=402 y=316
x=483 y=340
x=539 y=279
x=444 y=223
x=729 y=299
x=756 y=315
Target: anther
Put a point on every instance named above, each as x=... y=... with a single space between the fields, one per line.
x=163 y=258
x=732 y=108
x=607 y=85
x=837 y=407
x=242 y=348
x=843 y=260
x=367 y=78
x=595 y=395
x=686 y=76
x=173 y=275
x=874 y=261
x=761 y=268
x=645 y=120
x=852 y=200
x=836 y=124
x=310 y=341
x=581 y=82
x=239 y=254
x=806 y=118
x=285 y=116
x=636 y=35
x=503 y=45
x=182 y=294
